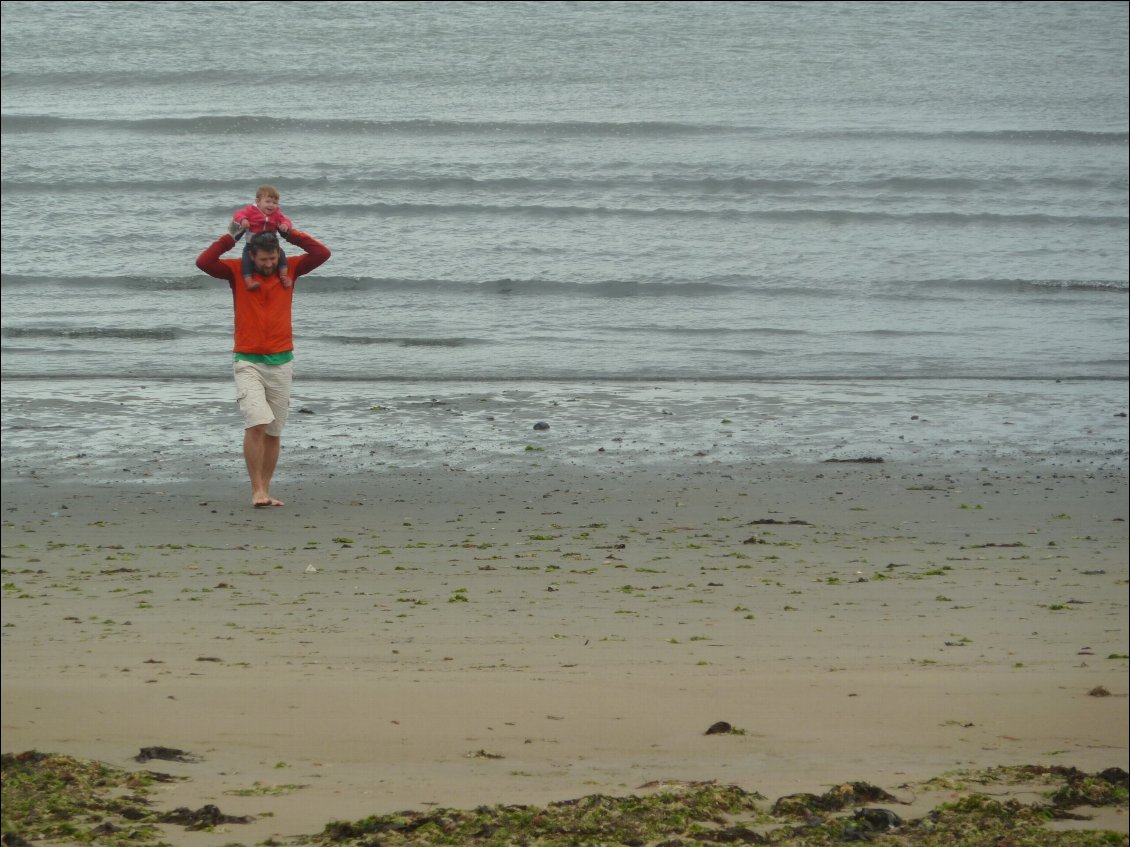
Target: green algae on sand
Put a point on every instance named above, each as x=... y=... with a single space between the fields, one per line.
x=700 y=814
x=47 y=796
x=62 y=799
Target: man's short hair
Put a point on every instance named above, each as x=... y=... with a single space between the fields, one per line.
x=266 y=191
x=264 y=242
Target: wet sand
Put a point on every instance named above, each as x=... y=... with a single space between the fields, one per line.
x=442 y=637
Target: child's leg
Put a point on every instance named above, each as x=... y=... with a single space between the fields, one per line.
x=284 y=273
x=248 y=268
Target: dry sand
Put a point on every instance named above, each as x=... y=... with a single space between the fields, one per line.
x=451 y=638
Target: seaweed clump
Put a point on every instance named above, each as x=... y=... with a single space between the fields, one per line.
x=1068 y=787
x=48 y=796
x=66 y=800
x=1108 y=788
x=705 y=814
x=835 y=799
x=980 y=820
x=61 y=798
x=699 y=811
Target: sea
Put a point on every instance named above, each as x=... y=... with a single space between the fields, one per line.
x=704 y=231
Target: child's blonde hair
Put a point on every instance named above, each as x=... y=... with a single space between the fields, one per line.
x=266 y=191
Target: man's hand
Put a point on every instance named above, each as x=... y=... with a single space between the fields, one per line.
x=235 y=230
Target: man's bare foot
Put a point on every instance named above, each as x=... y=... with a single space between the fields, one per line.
x=266 y=502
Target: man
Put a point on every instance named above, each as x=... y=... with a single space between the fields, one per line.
x=264 y=347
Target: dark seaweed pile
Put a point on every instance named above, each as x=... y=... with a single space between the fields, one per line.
x=61 y=798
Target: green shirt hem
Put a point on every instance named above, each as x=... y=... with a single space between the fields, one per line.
x=266 y=358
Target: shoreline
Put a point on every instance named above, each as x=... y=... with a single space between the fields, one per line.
x=117 y=431
x=885 y=622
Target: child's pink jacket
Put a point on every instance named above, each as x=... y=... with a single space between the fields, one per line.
x=260 y=222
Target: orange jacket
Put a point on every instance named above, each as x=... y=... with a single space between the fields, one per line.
x=262 y=316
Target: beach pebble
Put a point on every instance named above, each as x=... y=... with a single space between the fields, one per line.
x=311 y=569
x=541 y=426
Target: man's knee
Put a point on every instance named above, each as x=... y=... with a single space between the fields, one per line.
x=261 y=433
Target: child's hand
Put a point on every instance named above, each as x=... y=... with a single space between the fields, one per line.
x=283 y=228
x=246 y=224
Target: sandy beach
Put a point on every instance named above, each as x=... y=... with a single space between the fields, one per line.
x=440 y=637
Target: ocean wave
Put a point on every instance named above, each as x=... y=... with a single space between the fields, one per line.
x=329 y=283
x=258 y=124
x=722 y=285
x=951 y=184
x=527 y=287
x=748 y=352
x=999 y=136
x=612 y=288
x=137 y=283
x=897 y=183
x=153 y=78
x=706 y=332
x=429 y=182
x=100 y=332
x=835 y=216
x=708 y=185
x=897 y=333
x=1118 y=286
x=1105 y=363
x=399 y=341
x=156 y=186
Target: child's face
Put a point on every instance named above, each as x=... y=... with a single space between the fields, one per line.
x=267 y=205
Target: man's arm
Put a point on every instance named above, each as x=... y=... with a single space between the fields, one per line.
x=317 y=253
x=209 y=260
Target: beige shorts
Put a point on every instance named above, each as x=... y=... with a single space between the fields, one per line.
x=263 y=394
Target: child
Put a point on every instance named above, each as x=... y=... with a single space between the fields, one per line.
x=263 y=215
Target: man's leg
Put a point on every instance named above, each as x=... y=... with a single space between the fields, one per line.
x=261 y=452
x=263 y=395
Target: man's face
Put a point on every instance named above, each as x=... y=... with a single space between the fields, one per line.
x=266 y=262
